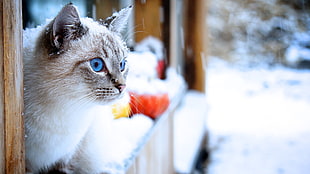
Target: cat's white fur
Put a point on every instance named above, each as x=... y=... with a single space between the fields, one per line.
x=66 y=128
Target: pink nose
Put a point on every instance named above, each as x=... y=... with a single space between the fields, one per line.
x=121 y=87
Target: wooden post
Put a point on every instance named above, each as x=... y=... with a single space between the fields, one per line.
x=148 y=19
x=11 y=88
x=195 y=46
x=166 y=28
x=105 y=8
x=174 y=37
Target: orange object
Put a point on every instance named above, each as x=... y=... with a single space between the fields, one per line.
x=152 y=105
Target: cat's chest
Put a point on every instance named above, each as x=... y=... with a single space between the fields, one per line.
x=72 y=121
x=74 y=127
x=56 y=134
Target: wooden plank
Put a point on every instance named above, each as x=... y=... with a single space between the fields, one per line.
x=156 y=155
x=12 y=86
x=148 y=19
x=195 y=44
x=2 y=149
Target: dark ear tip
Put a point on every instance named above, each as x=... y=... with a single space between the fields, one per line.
x=70 y=6
x=66 y=26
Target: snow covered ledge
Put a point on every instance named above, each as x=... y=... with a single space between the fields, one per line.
x=189 y=131
x=173 y=144
x=155 y=154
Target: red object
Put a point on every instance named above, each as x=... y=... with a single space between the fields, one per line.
x=160 y=69
x=152 y=105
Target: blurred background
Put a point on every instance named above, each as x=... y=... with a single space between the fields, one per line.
x=246 y=67
x=258 y=80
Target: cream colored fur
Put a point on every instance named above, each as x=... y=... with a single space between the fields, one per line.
x=65 y=120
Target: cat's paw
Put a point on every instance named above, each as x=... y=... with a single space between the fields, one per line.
x=60 y=168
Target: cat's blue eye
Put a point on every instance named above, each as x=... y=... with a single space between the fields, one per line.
x=122 y=65
x=97 y=64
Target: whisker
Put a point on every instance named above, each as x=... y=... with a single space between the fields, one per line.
x=132 y=31
x=136 y=103
x=129 y=35
x=85 y=99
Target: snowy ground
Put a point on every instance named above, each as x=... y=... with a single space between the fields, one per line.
x=258 y=120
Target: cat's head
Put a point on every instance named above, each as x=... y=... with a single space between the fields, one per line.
x=82 y=58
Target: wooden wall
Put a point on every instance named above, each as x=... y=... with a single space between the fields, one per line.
x=11 y=88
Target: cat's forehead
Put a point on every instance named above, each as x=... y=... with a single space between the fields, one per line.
x=105 y=41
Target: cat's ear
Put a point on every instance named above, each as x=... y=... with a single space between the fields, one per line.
x=66 y=26
x=117 y=22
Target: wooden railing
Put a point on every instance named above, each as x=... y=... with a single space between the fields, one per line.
x=11 y=88
x=155 y=153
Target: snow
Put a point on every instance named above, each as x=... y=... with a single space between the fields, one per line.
x=29 y=39
x=123 y=138
x=129 y=134
x=189 y=130
x=142 y=76
x=153 y=45
x=258 y=119
x=174 y=82
x=298 y=50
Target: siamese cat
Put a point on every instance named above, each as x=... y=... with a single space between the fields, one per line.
x=76 y=64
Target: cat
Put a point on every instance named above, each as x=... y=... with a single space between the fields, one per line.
x=76 y=65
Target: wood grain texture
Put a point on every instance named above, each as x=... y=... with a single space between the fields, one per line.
x=148 y=19
x=2 y=149
x=12 y=133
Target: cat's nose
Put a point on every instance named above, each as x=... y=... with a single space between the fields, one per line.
x=121 y=87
